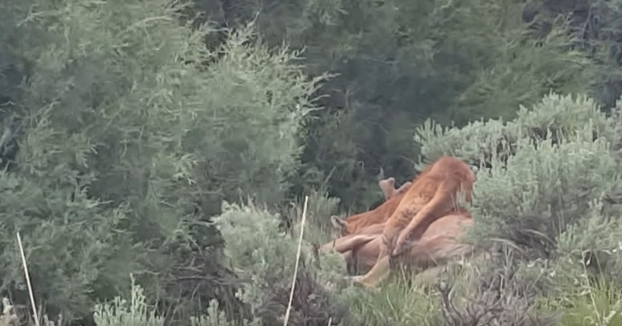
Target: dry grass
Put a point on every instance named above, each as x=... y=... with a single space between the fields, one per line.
x=299 y=249
x=35 y=315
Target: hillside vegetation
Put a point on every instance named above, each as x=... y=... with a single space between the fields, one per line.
x=157 y=156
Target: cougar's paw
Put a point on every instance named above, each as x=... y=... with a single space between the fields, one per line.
x=399 y=246
x=357 y=281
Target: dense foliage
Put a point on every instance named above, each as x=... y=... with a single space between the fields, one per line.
x=161 y=151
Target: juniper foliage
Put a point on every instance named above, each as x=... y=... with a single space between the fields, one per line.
x=133 y=133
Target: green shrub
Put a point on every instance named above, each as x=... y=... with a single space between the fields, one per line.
x=545 y=168
x=134 y=133
x=263 y=256
x=586 y=302
x=396 y=303
x=120 y=312
x=549 y=185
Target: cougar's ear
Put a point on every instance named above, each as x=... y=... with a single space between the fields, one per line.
x=388 y=187
x=404 y=187
x=388 y=182
x=338 y=222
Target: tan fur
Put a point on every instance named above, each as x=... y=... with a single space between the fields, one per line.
x=404 y=188
x=388 y=188
x=439 y=244
x=380 y=214
x=432 y=195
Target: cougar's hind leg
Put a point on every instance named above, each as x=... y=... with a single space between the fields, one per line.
x=382 y=269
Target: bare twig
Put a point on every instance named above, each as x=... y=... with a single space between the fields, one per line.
x=32 y=297
x=291 y=294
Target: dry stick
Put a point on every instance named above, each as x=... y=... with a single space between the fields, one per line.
x=291 y=294
x=32 y=297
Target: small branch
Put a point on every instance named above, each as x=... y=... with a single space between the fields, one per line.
x=32 y=297
x=291 y=294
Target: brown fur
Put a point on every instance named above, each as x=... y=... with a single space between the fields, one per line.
x=432 y=195
x=380 y=214
x=439 y=244
x=369 y=232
